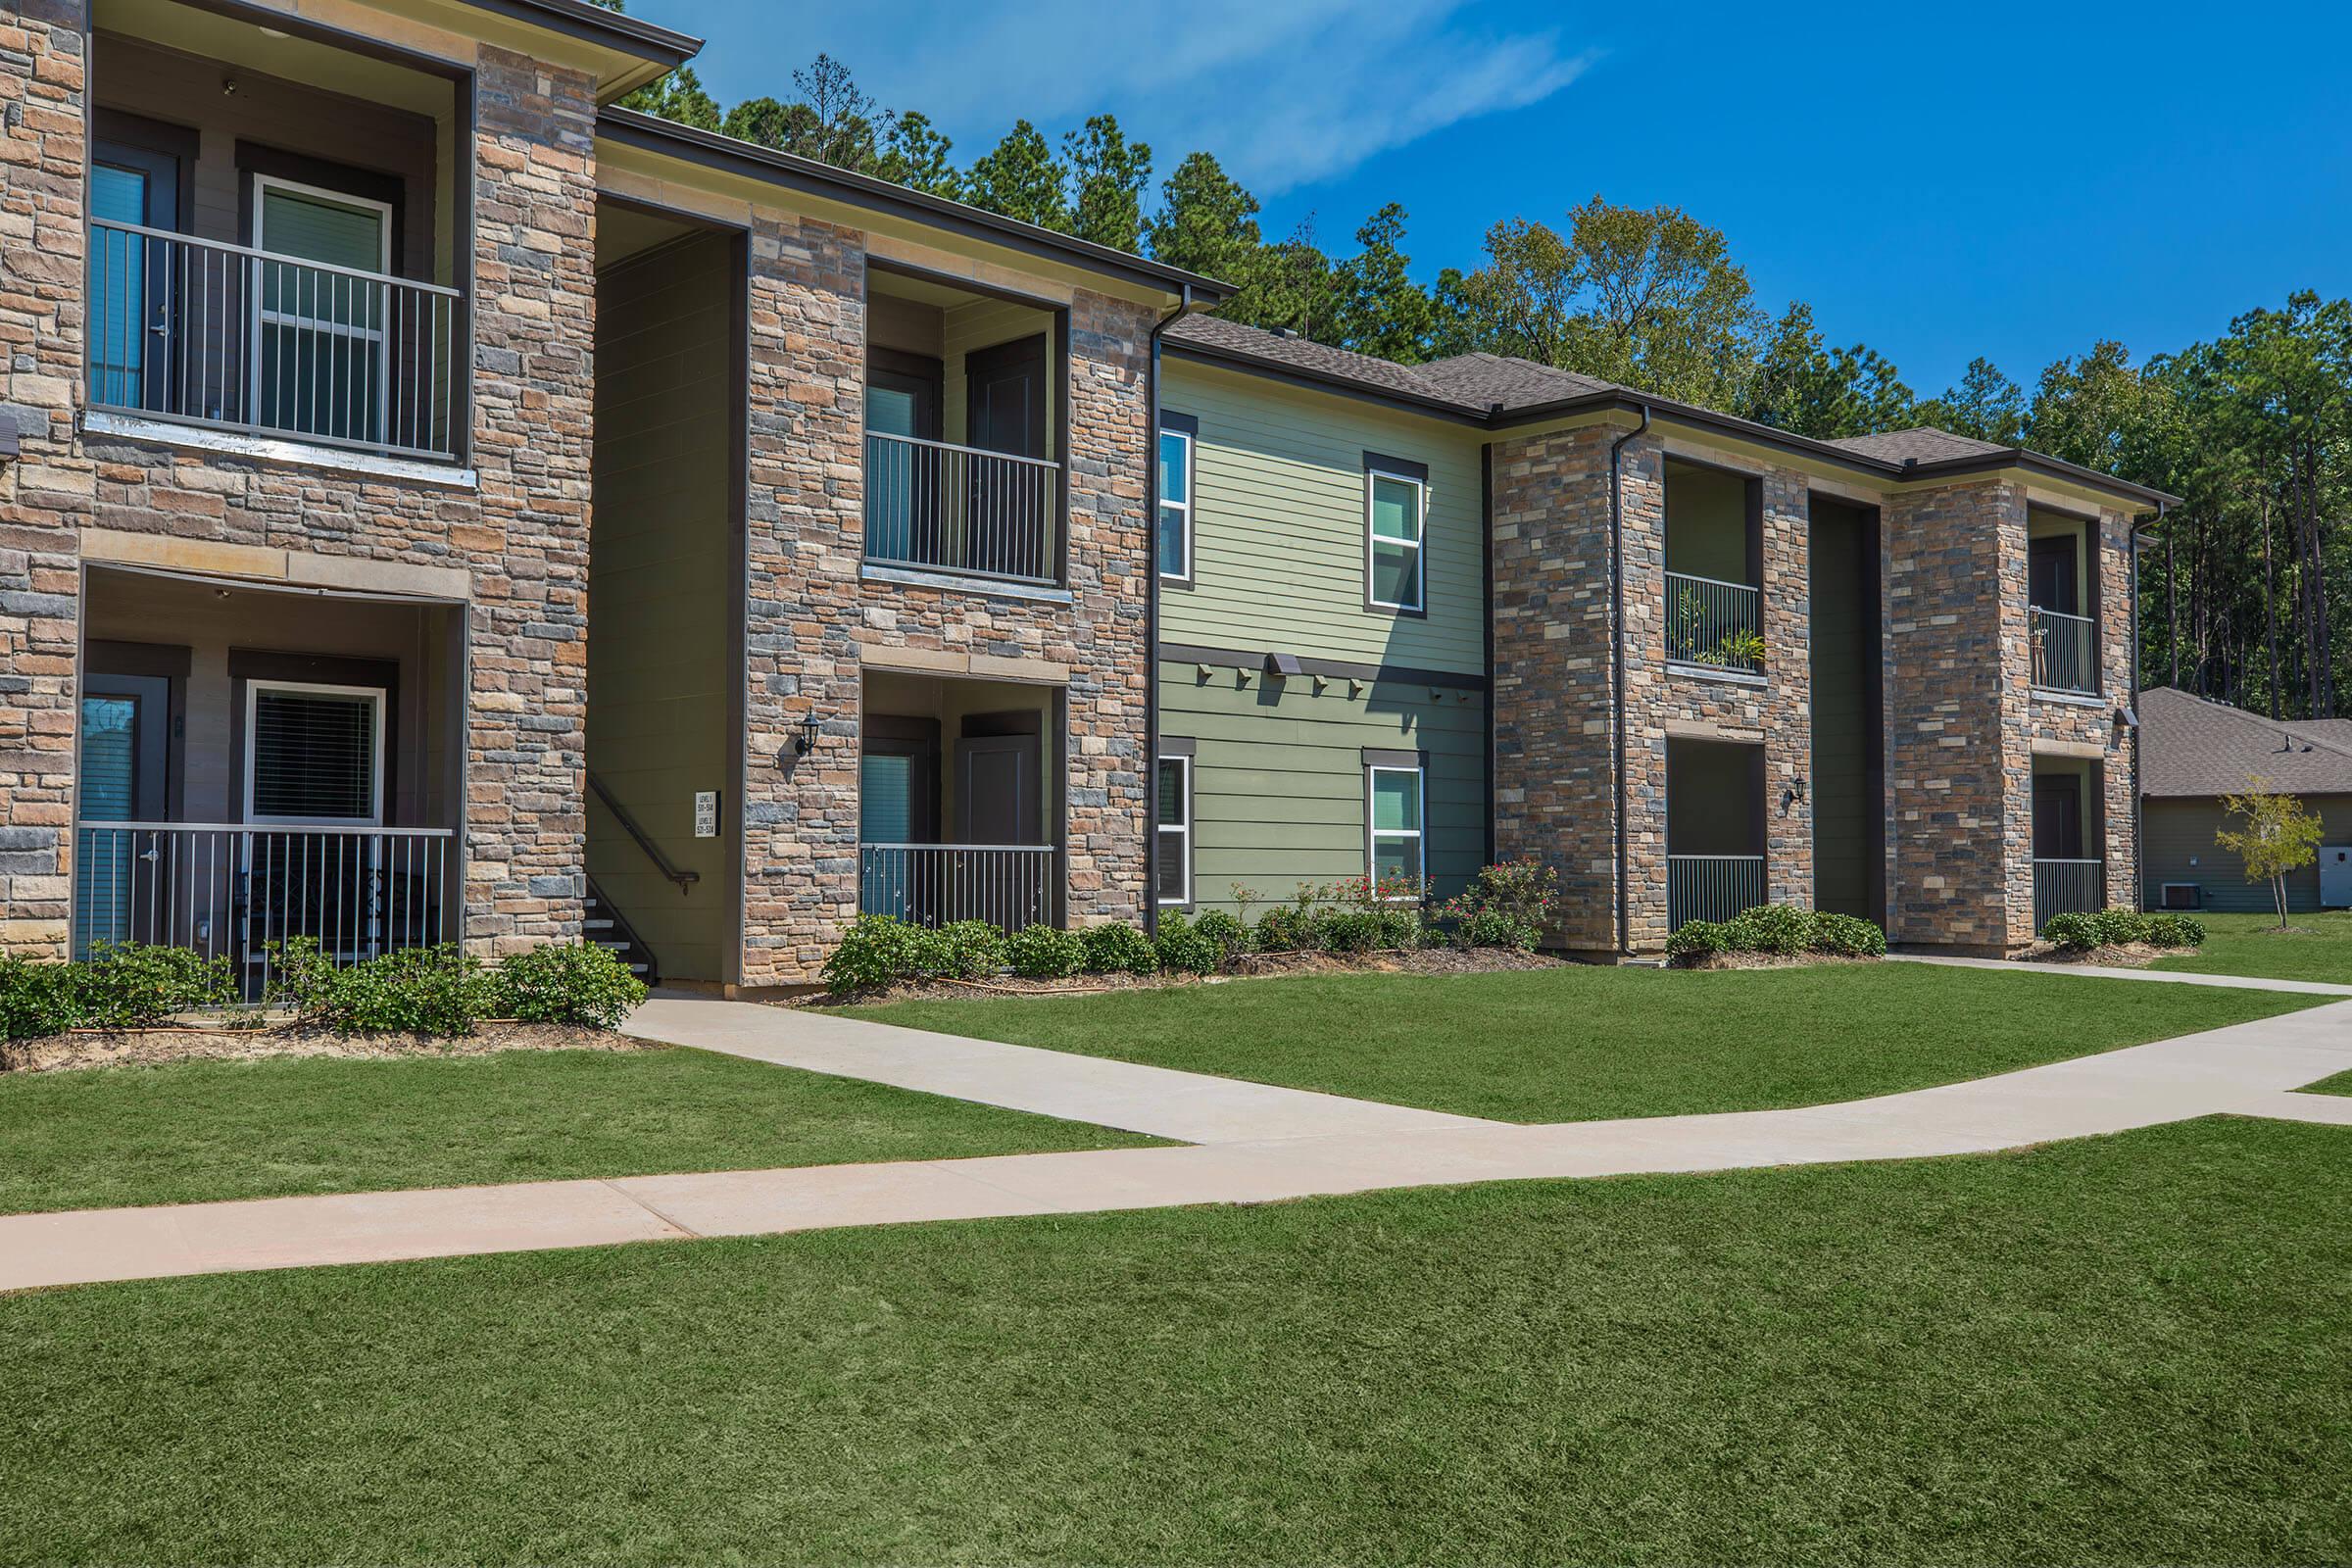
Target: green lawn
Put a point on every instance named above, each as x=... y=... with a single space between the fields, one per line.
x=193 y=1131
x=2117 y=1351
x=2319 y=949
x=1583 y=1043
x=2340 y=1084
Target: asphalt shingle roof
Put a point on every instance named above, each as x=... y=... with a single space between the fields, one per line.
x=2192 y=747
x=1925 y=443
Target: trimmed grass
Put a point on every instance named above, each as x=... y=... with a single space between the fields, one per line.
x=2117 y=1351
x=195 y=1130
x=2340 y=1084
x=1583 y=1044
x=2252 y=944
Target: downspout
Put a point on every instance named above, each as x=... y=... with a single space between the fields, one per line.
x=1617 y=669
x=2139 y=847
x=1184 y=308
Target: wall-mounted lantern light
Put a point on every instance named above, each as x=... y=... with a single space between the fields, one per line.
x=804 y=740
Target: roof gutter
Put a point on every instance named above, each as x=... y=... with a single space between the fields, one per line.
x=1617 y=671
x=1184 y=308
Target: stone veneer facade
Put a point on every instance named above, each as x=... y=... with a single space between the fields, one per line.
x=1962 y=723
x=520 y=533
x=815 y=624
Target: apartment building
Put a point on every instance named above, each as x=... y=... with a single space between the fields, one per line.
x=436 y=505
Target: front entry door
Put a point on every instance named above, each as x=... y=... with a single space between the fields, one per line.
x=125 y=758
x=2058 y=817
x=132 y=277
x=1004 y=397
x=996 y=800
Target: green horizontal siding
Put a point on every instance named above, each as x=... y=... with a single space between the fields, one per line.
x=2180 y=849
x=1278 y=784
x=1278 y=526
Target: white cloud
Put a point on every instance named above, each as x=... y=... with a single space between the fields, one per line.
x=1285 y=92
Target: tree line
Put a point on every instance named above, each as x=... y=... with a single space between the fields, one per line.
x=2246 y=587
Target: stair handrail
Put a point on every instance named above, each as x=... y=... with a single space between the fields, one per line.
x=652 y=851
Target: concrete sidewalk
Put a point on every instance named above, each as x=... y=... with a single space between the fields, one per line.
x=1189 y=1106
x=2227 y=982
x=2247 y=1069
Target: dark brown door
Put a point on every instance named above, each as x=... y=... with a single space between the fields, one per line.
x=2058 y=819
x=2050 y=578
x=997 y=784
x=1004 y=392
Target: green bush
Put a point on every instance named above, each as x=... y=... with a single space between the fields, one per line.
x=1350 y=931
x=1044 y=953
x=1780 y=929
x=569 y=983
x=1229 y=934
x=1847 y=936
x=877 y=951
x=1699 y=939
x=2119 y=928
x=437 y=992
x=1117 y=949
x=2077 y=933
x=131 y=985
x=1186 y=948
x=1286 y=928
x=37 y=998
x=966 y=949
x=2176 y=931
x=1505 y=906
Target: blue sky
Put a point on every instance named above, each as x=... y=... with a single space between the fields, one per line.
x=1938 y=182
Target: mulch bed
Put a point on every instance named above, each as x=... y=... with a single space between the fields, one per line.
x=1767 y=961
x=98 y=1048
x=2129 y=955
x=1252 y=966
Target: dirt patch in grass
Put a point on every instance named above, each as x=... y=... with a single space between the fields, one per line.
x=146 y=1047
x=1250 y=966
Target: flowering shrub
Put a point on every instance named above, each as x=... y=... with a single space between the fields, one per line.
x=1505 y=906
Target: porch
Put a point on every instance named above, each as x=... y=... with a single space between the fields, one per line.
x=1715 y=830
x=959 y=801
x=276 y=235
x=2069 y=875
x=964 y=410
x=2062 y=591
x=258 y=766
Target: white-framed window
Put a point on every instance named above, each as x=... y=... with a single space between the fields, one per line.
x=1172 y=866
x=1396 y=507
x=314 y=224
x=313 y=755
x=1173 y=544
x=321 y=361
x=1392 y=818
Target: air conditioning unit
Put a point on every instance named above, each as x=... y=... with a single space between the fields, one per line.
x=2184 y=896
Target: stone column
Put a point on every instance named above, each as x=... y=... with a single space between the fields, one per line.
x=45 y=492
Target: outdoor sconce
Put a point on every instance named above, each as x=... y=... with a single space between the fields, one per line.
x=1795 y=796
x=804 y=740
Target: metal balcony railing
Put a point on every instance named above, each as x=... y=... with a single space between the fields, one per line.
x=1007 y=885
x=1712 y=887
x=232 y=338
x=226 y=888
x=938 y=507
x=1713 y=622
x=2063 y=647
x=2068 y=886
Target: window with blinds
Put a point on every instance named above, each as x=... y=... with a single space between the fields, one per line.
x=313 y=753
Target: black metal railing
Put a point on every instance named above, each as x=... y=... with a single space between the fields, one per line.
x=2067 y=887
x=233 y=338
x=1713 y=622
x=2063 y=651
x=1007 y=885
x=1712 y=887
x=938 y=507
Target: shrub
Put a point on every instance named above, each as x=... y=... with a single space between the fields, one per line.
x=1505 y=906
x=1847 y=936
x=37 y=998
x=1782 y=929
x=2176 y=931
x=1349 y=931
x=1286 y=928
x=966 y=950
x=1117 y=949
x=1698 y=939
x=1228 y=933
x=2119 y=928
x=877 y=950
x=131 y=985
x=2077 y=933
x=1371 y=915
x=1186 y=948
x=569 y=983
x=439 y=992
x=1044 y=953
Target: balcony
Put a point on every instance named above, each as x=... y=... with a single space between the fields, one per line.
x=1714 y=623
x=2063 y=651
x=1715 y=830
x=228 y=337
x=965 y=395
x=932 y=506
x=1009 y=886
